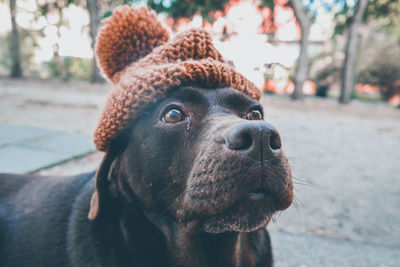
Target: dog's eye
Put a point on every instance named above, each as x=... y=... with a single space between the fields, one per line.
x=254 y=114
x=173 y=115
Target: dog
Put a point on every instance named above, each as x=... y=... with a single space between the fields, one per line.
x=192 y=182
x=191 y=174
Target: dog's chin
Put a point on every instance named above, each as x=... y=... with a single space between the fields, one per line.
x=248 y=215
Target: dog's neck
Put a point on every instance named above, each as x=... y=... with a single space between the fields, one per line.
x=187 y=248
x=204 y=249
x=201 y=249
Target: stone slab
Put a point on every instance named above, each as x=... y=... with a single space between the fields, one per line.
x=16 y=134
x=25 y=149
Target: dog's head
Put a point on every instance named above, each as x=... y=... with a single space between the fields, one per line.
x=203 y=158
x=184 y=135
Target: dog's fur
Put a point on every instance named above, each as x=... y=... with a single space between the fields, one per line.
x=166 y=194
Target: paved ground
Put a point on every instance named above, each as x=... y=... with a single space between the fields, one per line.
x=306 y=250
x=26 y=149
x=345 y=161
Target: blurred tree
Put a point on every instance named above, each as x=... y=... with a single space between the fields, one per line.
x=93 y=9
x=15 y=52
x=384 y=71
x=349 y=64
x=381 y=48
x=303 y=16
x=379 y=38
x=385 y=13
x=380 y=20
x=364 y=10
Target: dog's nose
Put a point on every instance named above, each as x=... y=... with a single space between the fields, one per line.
x=258 y=139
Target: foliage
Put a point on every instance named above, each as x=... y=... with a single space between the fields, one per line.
x=384 y=72
x=379 y=52
x=382 y=13
x=67 y=68
x=5 y=59
x=383 y=9
x=327 y=75
x=342 y=17
x=106 y=7
x=376 y=9
x=27 y=45
x=187 y=8
x=267 y=3
x=48 y=6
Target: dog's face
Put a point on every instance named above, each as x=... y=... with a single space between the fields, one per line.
x=203 y=158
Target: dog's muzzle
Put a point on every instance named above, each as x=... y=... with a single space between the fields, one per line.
x=239 y=179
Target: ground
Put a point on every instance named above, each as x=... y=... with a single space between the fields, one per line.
x=345 y=158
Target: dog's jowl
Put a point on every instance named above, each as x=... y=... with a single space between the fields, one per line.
x=192 y=171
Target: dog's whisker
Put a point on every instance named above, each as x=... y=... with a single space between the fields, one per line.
x=296 y=190
x=298 y=201
x=306 y=184
x=174 y=203
x=303 y=182
x=298 y=179
x=278 y=215
x=174 y=182
x=296 y=205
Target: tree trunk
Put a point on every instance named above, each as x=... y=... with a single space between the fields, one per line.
x=15 y=53
x=349 y=65
x=94 y=26
x=304 y=19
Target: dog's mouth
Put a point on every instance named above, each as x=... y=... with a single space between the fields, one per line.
x=249 y=213
x=259 y=200
x=258 y=195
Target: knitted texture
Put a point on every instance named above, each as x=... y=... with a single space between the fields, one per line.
x=127 y=36
x=134 y=52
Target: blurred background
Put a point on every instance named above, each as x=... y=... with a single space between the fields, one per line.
x=343 y=49
x=330 y=72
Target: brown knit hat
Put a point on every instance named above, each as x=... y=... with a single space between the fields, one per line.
x=135 y=53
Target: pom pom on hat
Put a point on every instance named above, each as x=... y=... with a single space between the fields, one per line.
x=127 y=36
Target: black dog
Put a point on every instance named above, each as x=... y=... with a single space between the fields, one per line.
x=192 y=182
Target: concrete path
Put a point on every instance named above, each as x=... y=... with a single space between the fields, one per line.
x=305 y=250
x=26 y=149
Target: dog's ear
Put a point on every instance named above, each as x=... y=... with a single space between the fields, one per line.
x=101 y=187
x=102 y=198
